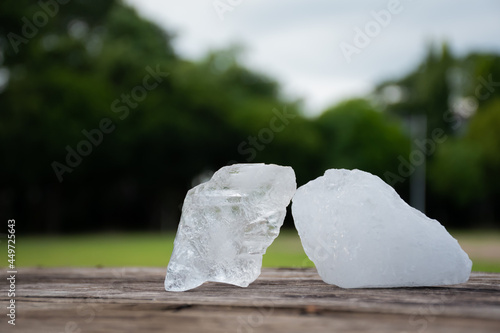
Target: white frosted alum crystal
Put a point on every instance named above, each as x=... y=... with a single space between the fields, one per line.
x=360 y=233
x=227 y=224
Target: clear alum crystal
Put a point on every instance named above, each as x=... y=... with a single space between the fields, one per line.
x=227 y=224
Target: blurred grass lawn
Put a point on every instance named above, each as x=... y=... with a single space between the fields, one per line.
x=148 y=249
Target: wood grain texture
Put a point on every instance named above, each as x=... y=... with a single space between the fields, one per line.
x=281 y=300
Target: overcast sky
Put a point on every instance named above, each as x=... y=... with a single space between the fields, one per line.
x=313 y=48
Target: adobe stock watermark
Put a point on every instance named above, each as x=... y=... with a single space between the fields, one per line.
x=255 y=144
x=89 y=311
x=31 y=26
x=250 y=147
x=94 y=137
x=364 y=36
x=221 y=7
x=427 y=146
x=11 y=272
x=427 y=314
x=249 y=322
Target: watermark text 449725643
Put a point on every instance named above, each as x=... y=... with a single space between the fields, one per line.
x=11 y=271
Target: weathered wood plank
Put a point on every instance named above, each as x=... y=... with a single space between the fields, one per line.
x=291 y=300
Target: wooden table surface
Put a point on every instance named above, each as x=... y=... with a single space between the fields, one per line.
x=132 y=299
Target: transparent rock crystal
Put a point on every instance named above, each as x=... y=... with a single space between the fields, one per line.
x=359 y=233
x=227 y=224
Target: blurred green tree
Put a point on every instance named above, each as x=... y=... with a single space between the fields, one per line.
x=169 y=119
x=458 y=96
x=356 y=135
x=425 y=91
x=71 y=71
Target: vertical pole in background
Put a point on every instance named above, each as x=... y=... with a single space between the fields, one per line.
x=418 y=130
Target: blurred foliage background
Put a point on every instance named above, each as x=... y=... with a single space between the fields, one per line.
x=94 y=61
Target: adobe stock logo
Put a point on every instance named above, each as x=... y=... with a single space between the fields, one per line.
x=48 y=9
x=223 y=6
x=426 y=147
x=95 y=137
x=254 y=144
x=363 y=37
